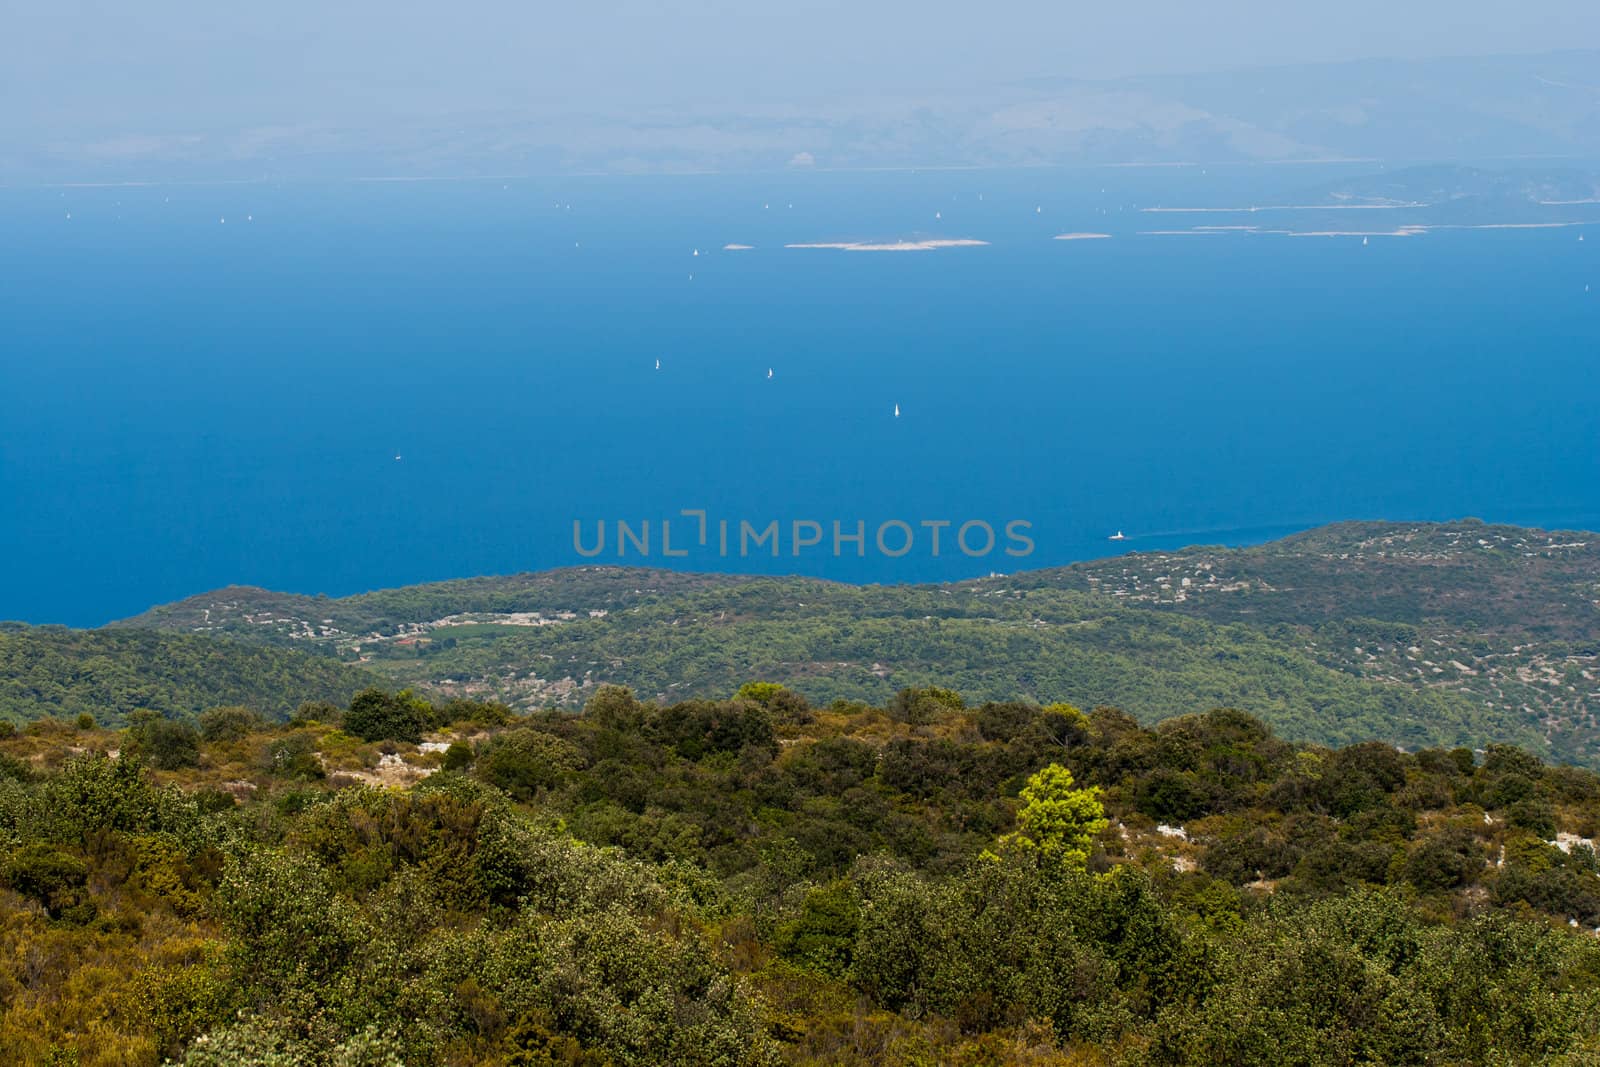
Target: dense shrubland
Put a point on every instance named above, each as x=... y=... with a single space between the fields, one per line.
x=755 y=880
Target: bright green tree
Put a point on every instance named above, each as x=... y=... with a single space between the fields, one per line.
x=1058 y=819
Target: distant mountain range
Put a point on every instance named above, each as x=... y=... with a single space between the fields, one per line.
x=1462 y=109
x=1401 y=201
x=1419 y=634
x=1444 y=184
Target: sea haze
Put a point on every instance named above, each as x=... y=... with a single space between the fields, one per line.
x=192 y=402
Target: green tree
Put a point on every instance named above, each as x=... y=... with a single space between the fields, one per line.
x=228 y=723
x=823 y=935
x=294 y=756
x=782 y=701
x=760 y=692
x=286 y=928
x=1057 y=818
x=54 y=878
x=458 y=757
x=919 y=706
x=614 y=707
x=524 y=761
x=378 y=716
x=166 y=743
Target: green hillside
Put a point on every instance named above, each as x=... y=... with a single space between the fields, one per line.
x=838 y=642
x=261 y=615
x=1505 y=616
x=51 y=671
x=1416 y=634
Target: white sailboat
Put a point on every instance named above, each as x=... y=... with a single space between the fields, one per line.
x=769 y=373
x=1118 y=536
x=897 y=411
x=658 y=364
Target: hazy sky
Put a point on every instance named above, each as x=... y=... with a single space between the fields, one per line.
x=167 y=65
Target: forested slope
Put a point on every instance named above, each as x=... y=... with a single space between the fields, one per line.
x=51 y=671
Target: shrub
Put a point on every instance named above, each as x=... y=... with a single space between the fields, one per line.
x=378 y=716
x=458 y=757
x=48 y=875
x=482 y=713
x=294 y=756
x=167 y=743
x=1002 y=722
x=919 y=706
x=699 y=728
x=228 y=724
x=783 y=702
x=316 y=711
x=614 y=708
x=822 y=937
x=523 y=762
x=1444 y=861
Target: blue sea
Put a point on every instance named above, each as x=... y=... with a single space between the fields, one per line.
x=358 y=385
